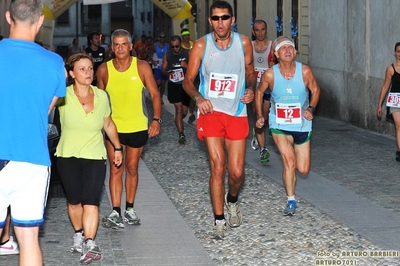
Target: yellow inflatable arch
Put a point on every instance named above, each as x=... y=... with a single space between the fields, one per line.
x=178 y=10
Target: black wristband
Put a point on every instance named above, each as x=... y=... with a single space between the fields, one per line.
x=159 y=120
x=312 y=108
x=118 y=149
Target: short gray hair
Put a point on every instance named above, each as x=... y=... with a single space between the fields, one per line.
x=119 y=33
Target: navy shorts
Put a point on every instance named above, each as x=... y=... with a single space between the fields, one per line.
x=3 y=163
x=298 y=137
x=267 y=95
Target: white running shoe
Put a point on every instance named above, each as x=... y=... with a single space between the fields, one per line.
x=77 y=245
x=9 y=248
x=254 y=142
x=130 y=217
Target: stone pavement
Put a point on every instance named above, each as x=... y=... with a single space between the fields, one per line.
x=347 y=207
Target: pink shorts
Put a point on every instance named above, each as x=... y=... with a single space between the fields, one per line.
x=222 y=125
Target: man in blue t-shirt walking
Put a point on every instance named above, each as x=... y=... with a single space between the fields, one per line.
x=31 y=80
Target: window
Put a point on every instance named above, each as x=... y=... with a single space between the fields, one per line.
x=91 y=18
x=294 y=22
x=254 y=16
x=63 y=19
x=94 y=12
x=142 y=16
x=279 y=18
x=254 y=9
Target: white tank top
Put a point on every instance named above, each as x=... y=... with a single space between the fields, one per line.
x=222 y=76
x=261 y=61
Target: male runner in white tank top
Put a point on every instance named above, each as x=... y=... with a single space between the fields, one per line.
x=263 y=59
x=225 y=61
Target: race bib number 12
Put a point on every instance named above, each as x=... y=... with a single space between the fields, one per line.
x=288 y=113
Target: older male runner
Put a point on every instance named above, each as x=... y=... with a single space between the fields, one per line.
x=125 y=78
x=291 y=113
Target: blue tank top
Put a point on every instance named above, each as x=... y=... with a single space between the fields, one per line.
x=160 y=53
x=289 y=100
x=222 y=76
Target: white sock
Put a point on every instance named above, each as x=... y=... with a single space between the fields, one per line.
x=291 y=198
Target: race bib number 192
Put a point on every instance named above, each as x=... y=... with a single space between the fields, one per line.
x=177 y=75
x=222 y=85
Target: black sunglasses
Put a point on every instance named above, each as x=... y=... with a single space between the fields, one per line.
x=223 y=17
x=176 y=46
x=162 y=36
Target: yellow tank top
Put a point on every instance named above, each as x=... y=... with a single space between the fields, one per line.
x=190 y=45
x=126 y=90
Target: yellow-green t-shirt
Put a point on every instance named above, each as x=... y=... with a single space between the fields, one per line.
x=128 y=103
x=81 y=133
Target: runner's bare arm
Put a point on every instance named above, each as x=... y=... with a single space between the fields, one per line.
x=53 y=103
x=385 y=87
x=266 y=81
x=196 y=55
x=102 y=76
x=311 y=83
x=251 y=79
x=388 y=79
x=111 y=131
x=164 y=67
x=147 y=77
x=195 y=58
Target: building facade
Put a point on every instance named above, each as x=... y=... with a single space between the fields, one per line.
x=347 y=43
x=136 y=16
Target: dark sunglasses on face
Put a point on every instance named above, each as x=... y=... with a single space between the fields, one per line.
x=162 y=36
x=176 y=46
x=223 y=17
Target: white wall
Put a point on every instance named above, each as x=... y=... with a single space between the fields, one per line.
x=351 y=44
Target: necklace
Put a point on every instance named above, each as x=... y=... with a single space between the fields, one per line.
x=82 y=100
x=222 y=39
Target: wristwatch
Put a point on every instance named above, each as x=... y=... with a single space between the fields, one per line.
x=312 y=108
x=159 y=120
